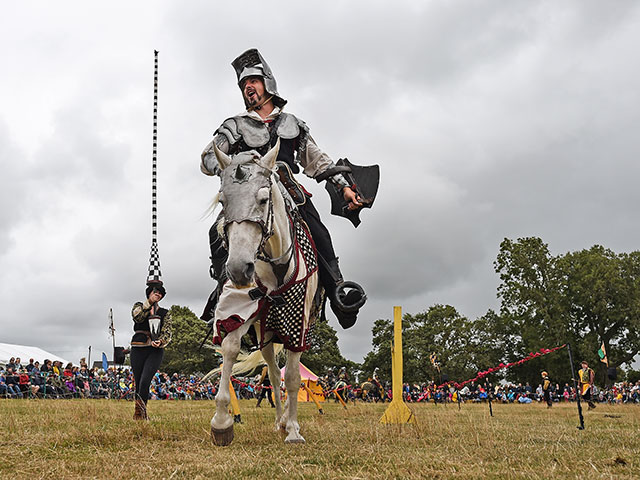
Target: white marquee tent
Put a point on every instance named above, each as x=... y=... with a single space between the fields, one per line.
x=25 y=352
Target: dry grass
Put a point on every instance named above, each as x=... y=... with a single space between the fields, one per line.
x=97 y=439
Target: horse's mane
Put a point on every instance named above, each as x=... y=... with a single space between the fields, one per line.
x=211 y=208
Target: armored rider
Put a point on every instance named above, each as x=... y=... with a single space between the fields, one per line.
x=258 y=128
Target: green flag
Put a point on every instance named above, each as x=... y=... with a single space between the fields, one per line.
x=602 y=353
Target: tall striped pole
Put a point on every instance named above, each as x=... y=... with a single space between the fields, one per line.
x=155 y=276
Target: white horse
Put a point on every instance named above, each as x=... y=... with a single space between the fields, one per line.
x=265 y=257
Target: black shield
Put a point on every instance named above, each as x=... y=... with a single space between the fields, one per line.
x=365 y=179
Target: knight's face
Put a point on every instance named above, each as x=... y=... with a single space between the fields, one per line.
x=253 y=90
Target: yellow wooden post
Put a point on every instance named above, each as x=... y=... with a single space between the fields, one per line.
x=339 y=397
x=397 y=411
x=235 y=406
x=312 y=396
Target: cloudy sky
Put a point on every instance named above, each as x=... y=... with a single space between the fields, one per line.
x=489 y=119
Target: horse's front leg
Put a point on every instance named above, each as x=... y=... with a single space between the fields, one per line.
x=292 y=383
x=274 y=377
x=222 y=421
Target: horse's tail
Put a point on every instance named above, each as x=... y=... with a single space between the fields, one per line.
x=246 y=362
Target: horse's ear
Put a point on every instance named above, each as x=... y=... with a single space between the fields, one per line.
x=269 y=160
x=223 y=158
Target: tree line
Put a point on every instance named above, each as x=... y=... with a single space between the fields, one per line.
x=588 y=298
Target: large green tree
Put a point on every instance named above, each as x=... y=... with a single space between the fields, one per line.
x=462 y=347
x=603 y=291
x=585 y=298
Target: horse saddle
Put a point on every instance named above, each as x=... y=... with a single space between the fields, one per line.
x=296 y=191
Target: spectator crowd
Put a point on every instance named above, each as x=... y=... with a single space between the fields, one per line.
x=53 y=380
x=623 y=392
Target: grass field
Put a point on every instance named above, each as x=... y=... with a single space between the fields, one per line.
x=57 y=439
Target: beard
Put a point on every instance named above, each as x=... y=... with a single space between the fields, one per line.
x=253 y=100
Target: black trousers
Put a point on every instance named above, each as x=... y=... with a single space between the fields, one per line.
x=265 y=392
x=145 y=362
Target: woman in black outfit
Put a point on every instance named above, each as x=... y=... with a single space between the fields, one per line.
x=152 y=327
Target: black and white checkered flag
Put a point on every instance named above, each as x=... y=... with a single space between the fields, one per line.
x=155 y=276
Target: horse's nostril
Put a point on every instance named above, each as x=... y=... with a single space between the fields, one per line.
x=249 y=269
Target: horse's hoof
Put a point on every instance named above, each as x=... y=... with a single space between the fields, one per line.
x=222 y=438
x=298 y=439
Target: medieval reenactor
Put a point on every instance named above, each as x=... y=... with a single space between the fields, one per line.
x=264 y=384
x=151 y=323
x=258 y=128
x=546 y=389
x=586 y=377
x=152 y=333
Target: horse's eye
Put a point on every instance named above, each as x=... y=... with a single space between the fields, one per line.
x=263 y=196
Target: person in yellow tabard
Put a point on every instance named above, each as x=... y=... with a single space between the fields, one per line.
x=586 y=378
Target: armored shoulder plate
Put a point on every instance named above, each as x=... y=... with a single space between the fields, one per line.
x=229 y=129
x=289 y=126
x=255 y=134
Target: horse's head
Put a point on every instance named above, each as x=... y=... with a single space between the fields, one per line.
x=246 y=197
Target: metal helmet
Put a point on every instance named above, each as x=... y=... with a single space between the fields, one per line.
x=251 y=63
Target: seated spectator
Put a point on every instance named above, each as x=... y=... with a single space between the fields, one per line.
x=46 y=366
x=11 y=364
x=30 y=366
x=24 y=382
x=37 y=380
x=3 y=383
x=13 y=384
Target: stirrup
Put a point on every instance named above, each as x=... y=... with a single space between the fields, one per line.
x=346 y=303
x=349 y=297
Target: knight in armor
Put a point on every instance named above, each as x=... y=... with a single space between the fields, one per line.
x=258 y=128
